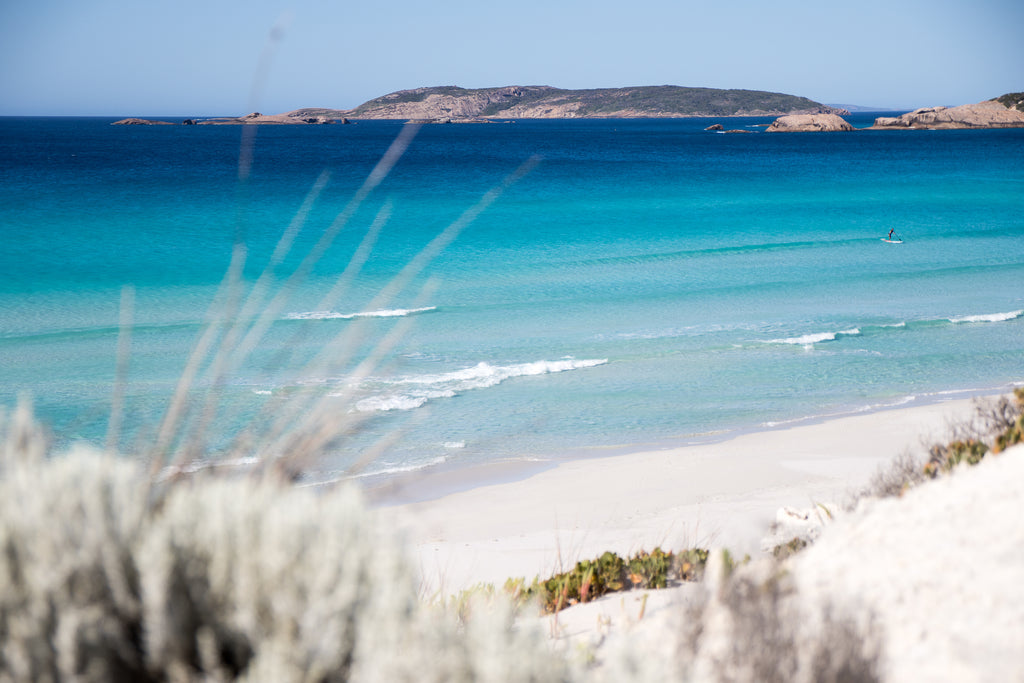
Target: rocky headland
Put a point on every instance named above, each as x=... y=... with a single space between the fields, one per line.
x=297 y=117
x=1006 y=111
x=1003 y=112
x=141 y=122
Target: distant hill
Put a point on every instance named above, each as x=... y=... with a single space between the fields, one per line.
x=860 y=108
x=536 y=102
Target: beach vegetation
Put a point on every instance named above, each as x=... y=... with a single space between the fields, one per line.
x=994 y=426
x=589 y=580
x=1013 y=100
x=108 y=574
x=902 y=473
x=1013 y=431
x=944 y=458
x=784 y=550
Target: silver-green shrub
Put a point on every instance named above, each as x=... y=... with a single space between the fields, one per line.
x=70 y=604
x=108 y=576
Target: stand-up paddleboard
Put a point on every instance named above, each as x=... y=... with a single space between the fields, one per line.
x=885 y=239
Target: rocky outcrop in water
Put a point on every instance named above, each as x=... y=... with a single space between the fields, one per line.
x=141 y=122
x=298 y=117
x=988 y=114
x=814 y=123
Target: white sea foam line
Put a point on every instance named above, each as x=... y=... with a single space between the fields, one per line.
x=199 y=466
x=331 y=315
x=905 y=400
x=399 y=469
x=811 y=339
x=417 y=390
x=990 y=318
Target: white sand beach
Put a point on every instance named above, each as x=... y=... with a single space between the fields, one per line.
x=932 y=577
x=714 y=495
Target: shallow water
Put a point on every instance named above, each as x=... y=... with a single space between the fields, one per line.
x=646 y=283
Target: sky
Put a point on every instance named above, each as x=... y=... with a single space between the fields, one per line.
x=230 y=57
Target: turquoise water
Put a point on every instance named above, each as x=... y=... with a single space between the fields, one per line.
x=647 y=282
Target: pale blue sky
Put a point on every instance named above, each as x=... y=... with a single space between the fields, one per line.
x=202 y=57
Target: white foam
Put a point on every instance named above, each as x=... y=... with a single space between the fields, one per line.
x=809 y=340
x=332 y=315
x=409 y=393
x=386 y=470
x=870 y=408
x=386 y=403
x=990 y=318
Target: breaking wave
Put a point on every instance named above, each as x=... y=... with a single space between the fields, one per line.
x=408 y=393
x=386 y=313
x=809 y=340
x=990 y=318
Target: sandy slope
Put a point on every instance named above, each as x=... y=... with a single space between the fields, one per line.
x=941 y=569
x=724 y=494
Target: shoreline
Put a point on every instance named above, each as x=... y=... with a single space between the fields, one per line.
x=432 y=482
x=720 y=494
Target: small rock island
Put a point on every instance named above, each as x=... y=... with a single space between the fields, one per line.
x=813 y=123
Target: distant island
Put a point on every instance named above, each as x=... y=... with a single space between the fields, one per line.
x=544 y=102
x=452 y=104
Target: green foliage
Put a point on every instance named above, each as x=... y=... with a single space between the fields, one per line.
x=650 y=570
x=730 y=564
x=795 y=545
x=690 y=563
x=609 y=573
x=944 y=458
x=1013 y=100
x=674 y=100
x=1014 y=433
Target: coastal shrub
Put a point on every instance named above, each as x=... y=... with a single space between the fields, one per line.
x=107 y=574
x=1013 y=433
x=994 y=426
x=690 y=563
x=609 y=573
x=903 y=472
x=70 y=598
x=1013 y=100
x=943 y=458
x=784 y=550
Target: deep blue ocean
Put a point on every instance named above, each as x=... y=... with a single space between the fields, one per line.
x=646 y=283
